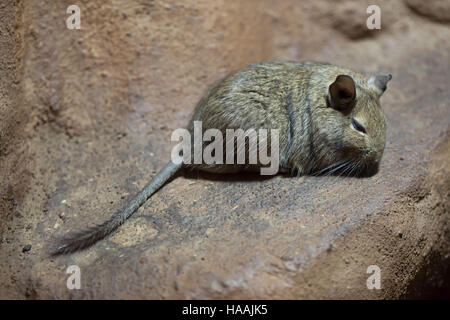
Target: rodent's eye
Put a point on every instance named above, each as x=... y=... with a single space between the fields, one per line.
x=358 y=126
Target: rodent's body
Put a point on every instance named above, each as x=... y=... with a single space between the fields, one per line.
x=327 y=117
x=291 y=97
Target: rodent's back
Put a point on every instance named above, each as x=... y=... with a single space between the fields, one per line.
x=259 y=96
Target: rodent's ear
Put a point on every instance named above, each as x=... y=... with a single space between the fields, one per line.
x=378 y=82
x=342 y=93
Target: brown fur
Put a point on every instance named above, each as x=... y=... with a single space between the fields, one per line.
x=295 y=98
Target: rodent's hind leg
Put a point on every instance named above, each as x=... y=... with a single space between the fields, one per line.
x=295 y=172
x=284 y=170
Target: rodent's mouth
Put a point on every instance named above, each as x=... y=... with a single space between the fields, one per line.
x=370 y=169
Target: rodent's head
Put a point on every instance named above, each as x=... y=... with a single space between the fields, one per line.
x=353 y=126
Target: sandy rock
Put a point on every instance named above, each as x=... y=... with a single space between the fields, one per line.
x=438 y=10
x=85 y=121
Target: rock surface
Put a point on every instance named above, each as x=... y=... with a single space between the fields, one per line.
x=438 y=10
x=85 y=121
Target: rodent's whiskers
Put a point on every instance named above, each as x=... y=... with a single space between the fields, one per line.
x=337 y=169
x=334 y=167
x=345 y=169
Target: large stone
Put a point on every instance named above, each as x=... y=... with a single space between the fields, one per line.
x=86 y=118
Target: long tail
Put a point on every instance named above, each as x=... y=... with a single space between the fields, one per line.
x=90 y=236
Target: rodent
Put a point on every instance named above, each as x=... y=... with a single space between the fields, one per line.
x=329 y=118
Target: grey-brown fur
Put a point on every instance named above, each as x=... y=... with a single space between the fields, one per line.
x=316 y=125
